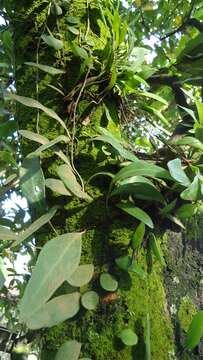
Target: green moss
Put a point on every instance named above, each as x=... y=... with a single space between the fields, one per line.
x=186 y=312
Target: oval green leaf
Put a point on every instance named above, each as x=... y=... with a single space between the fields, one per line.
x=82 y=275
x=128 y=337
x=70 y=350
x=108 y=282
x=90 y=300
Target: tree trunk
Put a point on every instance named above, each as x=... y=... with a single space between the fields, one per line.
x=106 y=234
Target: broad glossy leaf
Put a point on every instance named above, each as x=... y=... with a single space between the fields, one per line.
x=57 y=261
x=108 y=282
x=115 y=143
x=55 y=311
x=138 y=236
x=48 y=69
x=190 y=141
x=53 y=42
x=82 y=275
x=140 y=190
x=199 y=134
x=37 y=105
x=152 y=96
x=32 y=181
x=70 y=350
x=177 y=172
x=136 y=212
x=193 y=191
x=156 y=249
x=57 y=186
x=36 y=225
x=90 y=300
x=195 y=331
x=128 y=337
x=141 y=168
x=7 y=234
x=66 y=175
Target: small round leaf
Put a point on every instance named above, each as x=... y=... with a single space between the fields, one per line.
x=82 y=275
x=90 y=300
x=128 y=337
x=108 y=282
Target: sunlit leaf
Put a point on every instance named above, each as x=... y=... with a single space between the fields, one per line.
x=57 y=261
x=55 y=311
x=195 y=331
x=177 y=172
x=81 y=276
x=57 y=186
x=193 y=191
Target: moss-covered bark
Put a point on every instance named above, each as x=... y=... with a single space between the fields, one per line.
x=105 y=235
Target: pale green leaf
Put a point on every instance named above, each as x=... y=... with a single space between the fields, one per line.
x=116 y=144
x=7 y=234
x=57 y=261
x=3 y=273
x=70 y=350
x=50 y=144
x=108 y=282
x=152 y=96
x=66 y=175
x=34 y=136
x=48 y=69
x=90 y=300
x=81 y=276
x=177 y=172
x=55 y=311
x=52 y=41
x=193 y=191
x=32 y=181
x=141 y=168
x=57 y=186
x=36 y=225
x=37 y=105
x=190 y=141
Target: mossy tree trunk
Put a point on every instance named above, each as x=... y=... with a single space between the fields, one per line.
x=106 y=235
